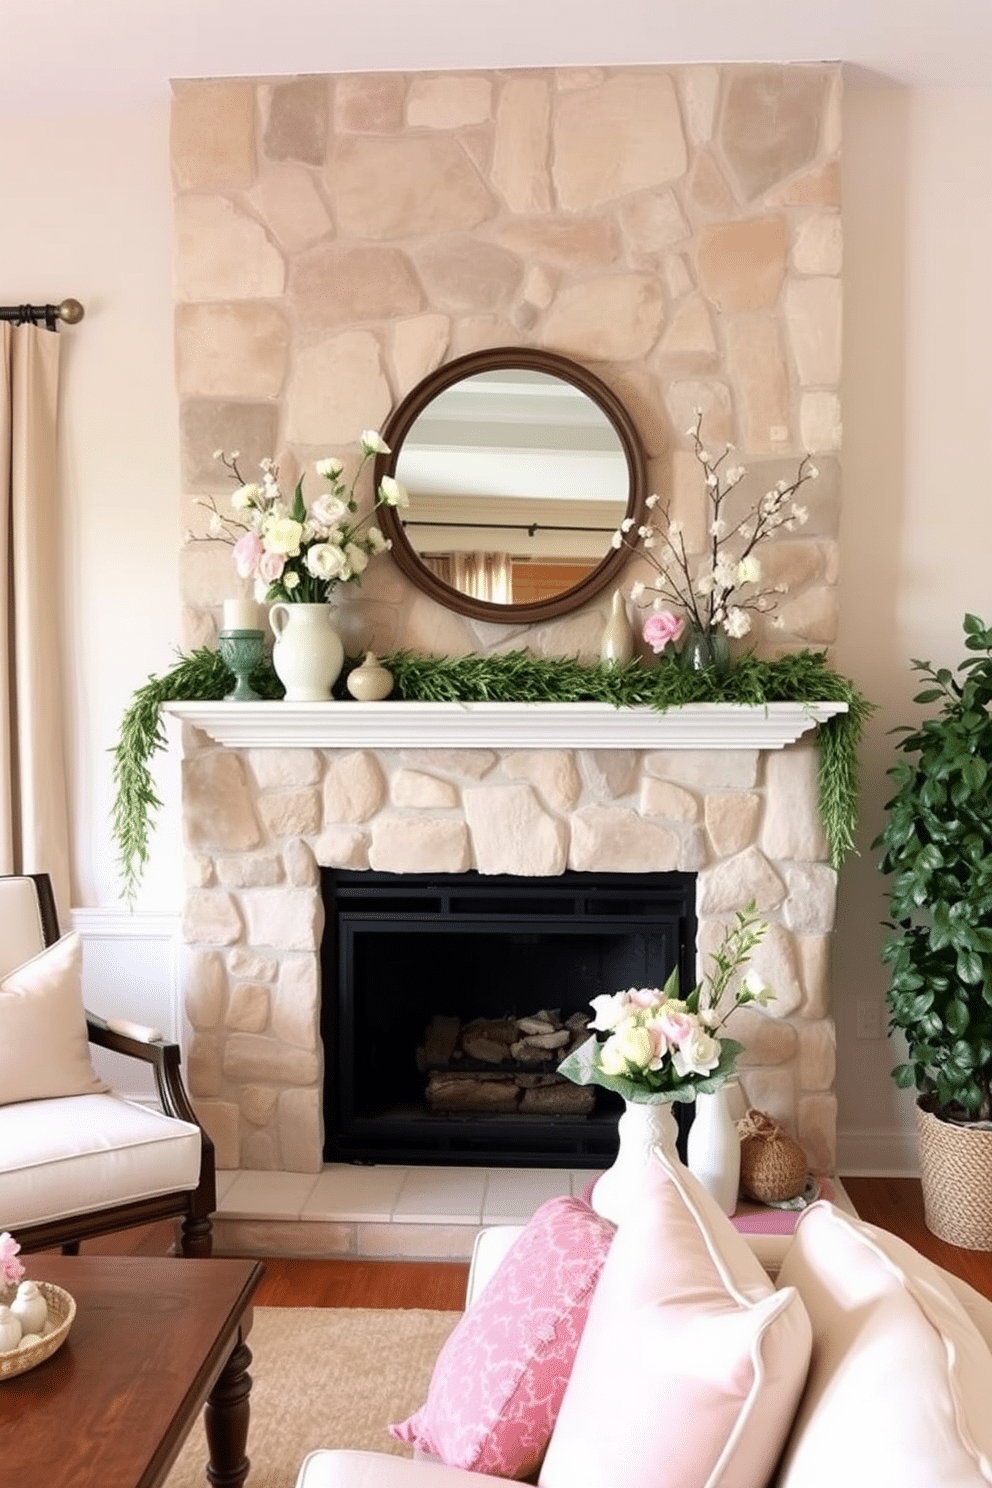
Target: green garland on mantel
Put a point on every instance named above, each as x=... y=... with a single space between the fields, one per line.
x=516 y=677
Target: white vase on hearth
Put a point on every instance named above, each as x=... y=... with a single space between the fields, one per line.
x=713 y=1148
x=642 y=1127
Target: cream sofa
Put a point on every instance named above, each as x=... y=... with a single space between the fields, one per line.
x=881 y=1375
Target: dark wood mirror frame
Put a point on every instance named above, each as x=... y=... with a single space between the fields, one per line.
x=499 y=359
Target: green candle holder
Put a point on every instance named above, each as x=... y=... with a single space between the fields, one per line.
x=242 y=650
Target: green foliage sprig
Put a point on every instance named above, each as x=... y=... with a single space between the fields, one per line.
x=514 y=676
x=937 y=843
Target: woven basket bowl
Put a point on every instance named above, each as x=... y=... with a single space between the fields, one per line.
x=61 y=1311
x=956 y=1172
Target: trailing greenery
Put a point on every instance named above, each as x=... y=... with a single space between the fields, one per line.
x=938 y=849
x=514 y=676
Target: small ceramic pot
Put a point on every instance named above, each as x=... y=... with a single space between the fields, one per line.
x=370 y=682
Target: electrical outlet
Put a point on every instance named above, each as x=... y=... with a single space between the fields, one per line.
x=869 y=1016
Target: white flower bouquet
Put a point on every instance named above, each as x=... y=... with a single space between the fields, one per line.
x=662 y=1047
x=292 y=554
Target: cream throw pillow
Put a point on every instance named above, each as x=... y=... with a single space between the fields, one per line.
x=44 y=1050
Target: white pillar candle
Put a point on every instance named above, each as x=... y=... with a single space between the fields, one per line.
x=240 y=614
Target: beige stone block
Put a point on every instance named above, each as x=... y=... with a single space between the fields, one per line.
x=285 y=919
x=222 y=1122
x=416 y=1241
x=796 y=562
x=732 y=821
x=699 y=90
x=198 y=870
x=772 y=1091
x=467 y=764
x=520 y=148
x=578 y=635
x=511 y=831
x=757 y=364
x=300 y=1131
x=300 y=864
x=820 y=421
x=337 y=386
x=251 y=1058
x=418 y=345
x=290 y=205
x=282 y=769
x=812 y=901
x=248 y=1007
x=254 y=871
x=732 y=883
x=258 y=1151
x=684 y=395
x=212 y=135
x=741 y=265
x=770 y=123
x=814 y=963
x=813 y=320
x=773 y=959
x=245 y=961
x=235 y=350
x=812 y=616
x=766 y=1040
x=677 y=275
x=461 y=275
x=688 y=341
x=707 y=193
x=614 y=839
x=450 y=101
x=817 y=1121
x=406 y=844
x=609 y=318
x=819 y=187
x=620 y=136
x=817 y=1055
x=539 y=287
x=342 y=847
x=203 y=1072
x=792 y=826
x=689 y=504
x=295 y=1010
x=292 y=813
x=196 y=627
x=209 y=424
x=206 y=988
x=405 y=187
x=553 y=771
x=662 y=798
x=705 y=769
x=354 y=787
x=589 y=242
x=818 y=245
x=369 y=102
x=414 y=788
x=334 y=285
x=433 y=631
x=205 y=572
x=611 y=773
x=282 y=1238
x=258 y=1104
x=223 y=254
x=295 y=114
x=652 y=222
x=210 y=917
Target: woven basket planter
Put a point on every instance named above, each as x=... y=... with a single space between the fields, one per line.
x=956 y=1170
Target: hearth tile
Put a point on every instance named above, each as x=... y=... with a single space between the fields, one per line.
x=225 y=1177
x=512 y=1194
x=441 y=1196
x=344 y=1192
x=256 y=1195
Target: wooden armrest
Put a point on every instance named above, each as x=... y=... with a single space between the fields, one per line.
x=162 y=1054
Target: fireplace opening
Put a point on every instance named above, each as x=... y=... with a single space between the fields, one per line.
x=448 y=1000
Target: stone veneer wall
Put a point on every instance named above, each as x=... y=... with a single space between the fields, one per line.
x=259 y=823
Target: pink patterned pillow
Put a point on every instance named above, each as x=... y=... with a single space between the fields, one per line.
x=500 y=1377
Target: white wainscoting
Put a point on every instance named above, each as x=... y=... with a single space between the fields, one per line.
x=131 y=969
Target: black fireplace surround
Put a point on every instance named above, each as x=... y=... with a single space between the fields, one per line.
x=399 y=950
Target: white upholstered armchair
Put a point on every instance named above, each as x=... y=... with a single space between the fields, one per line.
x=76 y=1159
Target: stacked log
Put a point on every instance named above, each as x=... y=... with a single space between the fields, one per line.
x=504 y=1064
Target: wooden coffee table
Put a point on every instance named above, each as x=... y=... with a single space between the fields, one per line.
x=153 y=1341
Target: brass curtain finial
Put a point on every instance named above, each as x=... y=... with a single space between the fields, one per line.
x=71 y=311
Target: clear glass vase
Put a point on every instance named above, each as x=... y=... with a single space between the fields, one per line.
x=705 y=649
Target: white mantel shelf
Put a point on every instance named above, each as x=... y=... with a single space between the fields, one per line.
x=400 y=725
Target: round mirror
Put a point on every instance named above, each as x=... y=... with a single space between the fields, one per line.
x=520 y=466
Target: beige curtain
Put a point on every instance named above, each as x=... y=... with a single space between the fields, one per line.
x=34 y=816
x=486 y=576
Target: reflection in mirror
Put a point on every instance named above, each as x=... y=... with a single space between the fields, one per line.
x=520 y=467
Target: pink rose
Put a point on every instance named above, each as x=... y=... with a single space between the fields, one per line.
x=247 y=552
x=662 y=626
x=11 y=1269
x=270 y=567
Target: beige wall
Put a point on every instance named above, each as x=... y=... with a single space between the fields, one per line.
x=87 y=209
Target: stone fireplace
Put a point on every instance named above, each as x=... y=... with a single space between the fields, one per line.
x=274 y=791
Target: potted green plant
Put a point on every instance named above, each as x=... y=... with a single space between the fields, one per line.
x=937 y=843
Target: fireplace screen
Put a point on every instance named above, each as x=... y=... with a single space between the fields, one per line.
x=448 y=1000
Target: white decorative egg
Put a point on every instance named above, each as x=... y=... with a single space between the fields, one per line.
x=29 y=1340
x=10 y=1330
x=30 y=1308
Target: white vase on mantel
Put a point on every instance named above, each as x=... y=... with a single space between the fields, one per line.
x=308 y=654
x=713 y=1149
x=641 y=1129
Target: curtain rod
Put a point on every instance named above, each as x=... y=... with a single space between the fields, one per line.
x=71 y=311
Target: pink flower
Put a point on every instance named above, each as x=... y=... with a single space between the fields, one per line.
x=11 y=1269
x=270 y=567
x=247 y=552
x=662 y=626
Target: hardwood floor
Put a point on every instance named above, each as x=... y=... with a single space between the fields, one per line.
x=894 y=1204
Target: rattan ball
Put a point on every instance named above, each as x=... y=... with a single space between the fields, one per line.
x=773 y=1165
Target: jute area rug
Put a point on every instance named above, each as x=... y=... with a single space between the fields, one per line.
x=326 y=1377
